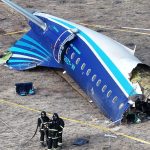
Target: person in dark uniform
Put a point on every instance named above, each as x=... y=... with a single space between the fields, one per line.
x=60 y=125
x=52 y=141
x=42 y=123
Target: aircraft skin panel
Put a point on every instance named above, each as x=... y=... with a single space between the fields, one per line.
x=118 y=53
x=93 y=90
x=29 y=52
x=112 y=48
x=24 y=56
x=122 y=81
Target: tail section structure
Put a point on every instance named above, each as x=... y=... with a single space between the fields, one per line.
x=29 y=52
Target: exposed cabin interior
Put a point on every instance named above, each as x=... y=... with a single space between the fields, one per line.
x=140 y=110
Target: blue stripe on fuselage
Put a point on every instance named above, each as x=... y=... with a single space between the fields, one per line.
x=119 y=76
x=23 y=51
x=26 y=37
x=21 y=43
x=20 y=61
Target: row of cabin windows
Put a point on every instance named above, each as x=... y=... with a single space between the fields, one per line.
x=114 y=100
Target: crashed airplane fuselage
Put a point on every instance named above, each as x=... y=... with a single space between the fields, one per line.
x=101 y=66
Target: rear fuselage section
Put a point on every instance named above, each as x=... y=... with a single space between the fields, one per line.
x=88 y=72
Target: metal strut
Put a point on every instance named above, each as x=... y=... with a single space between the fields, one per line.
x=25 y=13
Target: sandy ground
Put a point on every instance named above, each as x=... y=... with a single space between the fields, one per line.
x=54 y=94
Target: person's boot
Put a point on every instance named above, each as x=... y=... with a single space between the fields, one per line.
x=42 y=144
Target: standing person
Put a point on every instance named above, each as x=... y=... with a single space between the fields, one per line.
x=60 y=124
x=42 y=122
x=52 y=141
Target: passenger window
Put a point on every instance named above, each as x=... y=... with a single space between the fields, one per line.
x=88 y=72
x=115 y=99
x=77 y=61
x=104 y=88
x=67 y=50
x=109 y=93
x=98 y=82
x=72 y=55
x=83 y=66
x=121 y=105
x=94 y=77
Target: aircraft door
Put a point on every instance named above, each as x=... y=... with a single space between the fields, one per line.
x=62 y=43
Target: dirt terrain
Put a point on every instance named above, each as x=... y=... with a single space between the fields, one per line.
x=18 y=115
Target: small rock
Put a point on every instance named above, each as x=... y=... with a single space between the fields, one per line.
x=2 y=17
x=118 y=2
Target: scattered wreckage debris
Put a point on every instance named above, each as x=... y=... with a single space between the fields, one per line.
x=139 y=113
x=5 y=57
x=80 y=141
x=24 y=89
x=109 y=136
x=140 y=109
